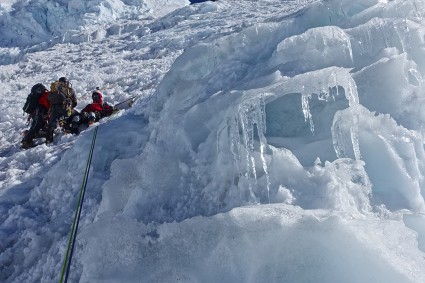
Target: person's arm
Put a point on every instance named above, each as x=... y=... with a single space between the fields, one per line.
x=86 y=109
x=107 y=109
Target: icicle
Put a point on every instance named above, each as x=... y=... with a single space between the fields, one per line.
x=354 y=131
x=235 y=142
x=247 y=138
x=261 y=128
x=351 y=93
x=306 y=109
x=251 y=115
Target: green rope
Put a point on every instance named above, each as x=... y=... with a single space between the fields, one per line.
x=68 y=256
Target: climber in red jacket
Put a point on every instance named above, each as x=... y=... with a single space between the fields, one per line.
x=97 y=110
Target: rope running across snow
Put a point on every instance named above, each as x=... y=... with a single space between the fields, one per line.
x=74 y=229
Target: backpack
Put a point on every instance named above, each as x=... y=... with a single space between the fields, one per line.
x=31 y=103
x=54 y=87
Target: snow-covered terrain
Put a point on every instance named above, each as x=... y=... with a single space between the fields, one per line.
x=271 y=141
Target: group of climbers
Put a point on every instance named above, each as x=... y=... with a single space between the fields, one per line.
x=56 y=107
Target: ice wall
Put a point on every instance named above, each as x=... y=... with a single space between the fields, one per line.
x=232 y=114
x=211 y=137
x=320 y=114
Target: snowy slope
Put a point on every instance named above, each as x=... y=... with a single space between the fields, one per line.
x=273 y=141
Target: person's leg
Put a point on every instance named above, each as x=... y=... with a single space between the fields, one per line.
x=29 y=135
x=36 y=125
x=53 y=123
